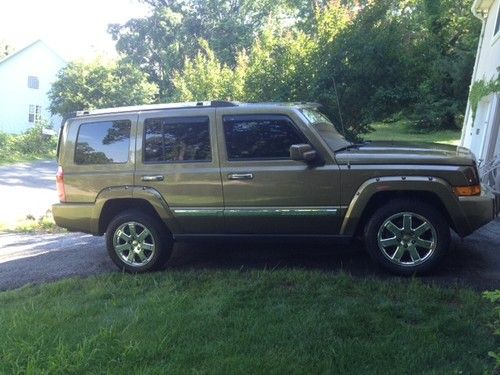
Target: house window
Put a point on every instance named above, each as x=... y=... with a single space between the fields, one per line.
x=35 y=113
x=33 y=82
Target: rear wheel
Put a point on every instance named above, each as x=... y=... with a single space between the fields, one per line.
x=407 y=237
x=137 y=243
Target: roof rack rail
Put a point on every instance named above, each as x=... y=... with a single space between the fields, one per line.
x=222 y=103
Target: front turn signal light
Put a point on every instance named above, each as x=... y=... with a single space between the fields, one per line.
x=467 y=191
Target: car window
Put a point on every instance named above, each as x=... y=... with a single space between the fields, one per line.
x=260 y=136
x=176 y=139
x=103 y=142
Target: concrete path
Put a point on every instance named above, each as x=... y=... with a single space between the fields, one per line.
x=473 y=262
x=26 y=189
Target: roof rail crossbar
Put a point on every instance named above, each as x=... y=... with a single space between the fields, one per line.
x=222 y=103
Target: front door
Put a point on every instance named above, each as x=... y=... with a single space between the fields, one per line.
x=265 y=192
x=178 y=158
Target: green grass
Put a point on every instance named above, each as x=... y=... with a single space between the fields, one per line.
x=225 y=322
x=401 y=131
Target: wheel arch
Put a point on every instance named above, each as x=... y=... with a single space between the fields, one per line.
x=112 y=201
x=375 y=192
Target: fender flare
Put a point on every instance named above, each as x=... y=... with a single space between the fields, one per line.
x=150 y=195
x=437 y=186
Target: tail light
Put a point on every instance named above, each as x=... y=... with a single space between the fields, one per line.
x=60 y=184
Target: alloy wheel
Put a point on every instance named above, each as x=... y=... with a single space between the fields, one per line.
x=407 y=239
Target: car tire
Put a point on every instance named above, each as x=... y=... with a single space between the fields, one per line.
x=407 y=237
x=137 y=243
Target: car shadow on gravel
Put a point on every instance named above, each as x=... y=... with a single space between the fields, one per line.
x=472 y=262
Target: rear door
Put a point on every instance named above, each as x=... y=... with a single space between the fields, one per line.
x=265 y=192
x=177 y=156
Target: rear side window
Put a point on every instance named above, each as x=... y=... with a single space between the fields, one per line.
x=260 y=137
x=176 y=139
x=105 y=142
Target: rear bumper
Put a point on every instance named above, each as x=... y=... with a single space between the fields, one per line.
x=75 y=217
x=478 y=210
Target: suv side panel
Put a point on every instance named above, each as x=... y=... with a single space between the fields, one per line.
x=192 y=189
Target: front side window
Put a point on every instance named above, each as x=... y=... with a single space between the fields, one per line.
x=105 y=142
x=254 y=137
x=177 y=139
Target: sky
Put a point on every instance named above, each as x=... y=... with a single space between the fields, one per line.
x=76 y=29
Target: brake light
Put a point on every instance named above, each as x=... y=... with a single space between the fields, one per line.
x=467 y=191
x=60 y=184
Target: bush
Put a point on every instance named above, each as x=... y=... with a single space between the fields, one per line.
x=32 y=144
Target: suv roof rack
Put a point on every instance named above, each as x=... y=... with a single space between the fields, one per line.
x=153 y=107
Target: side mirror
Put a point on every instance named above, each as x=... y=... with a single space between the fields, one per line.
x=303 y=152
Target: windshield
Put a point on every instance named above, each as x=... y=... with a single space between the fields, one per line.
x=325 y=128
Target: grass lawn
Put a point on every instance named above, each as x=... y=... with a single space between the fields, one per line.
x=225 y=322
x=401 y=131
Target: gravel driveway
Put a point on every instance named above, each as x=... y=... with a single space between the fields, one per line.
x=25 y=259
x=27 y=189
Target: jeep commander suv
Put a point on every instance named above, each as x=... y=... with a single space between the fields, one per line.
x=150 y=175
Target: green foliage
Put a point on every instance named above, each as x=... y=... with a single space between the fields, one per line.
x=98 y=85
x=374 y=58
x=480 y=89
x=230 y=322
x=161 y=42
x=32 y=144
x=494 y=297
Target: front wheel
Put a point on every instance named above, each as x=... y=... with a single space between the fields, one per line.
x=407 y=237
x=137 y=243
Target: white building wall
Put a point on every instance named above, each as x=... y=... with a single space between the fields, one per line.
x=15 y=95
x=481 y=133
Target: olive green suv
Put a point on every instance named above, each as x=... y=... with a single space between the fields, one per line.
x=148 y=176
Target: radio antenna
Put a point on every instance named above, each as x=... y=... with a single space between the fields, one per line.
x=338 y=106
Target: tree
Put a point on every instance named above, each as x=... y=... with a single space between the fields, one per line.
x=161 y=42
x=98 y=85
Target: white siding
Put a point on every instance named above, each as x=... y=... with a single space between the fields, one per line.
x=481 y=135
x=15 y=96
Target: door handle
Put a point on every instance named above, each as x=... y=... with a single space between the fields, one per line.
x=152 y=178
x=240 y=176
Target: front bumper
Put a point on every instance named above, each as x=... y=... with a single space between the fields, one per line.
x=479 y=210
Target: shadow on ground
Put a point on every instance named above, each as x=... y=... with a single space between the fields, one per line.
x=473 y=262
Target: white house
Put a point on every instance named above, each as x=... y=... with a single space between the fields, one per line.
x=25 y=78
x=481 y=128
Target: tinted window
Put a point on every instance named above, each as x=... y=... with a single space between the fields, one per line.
x=175 y=139
x=103 y=142
x=260 y=136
